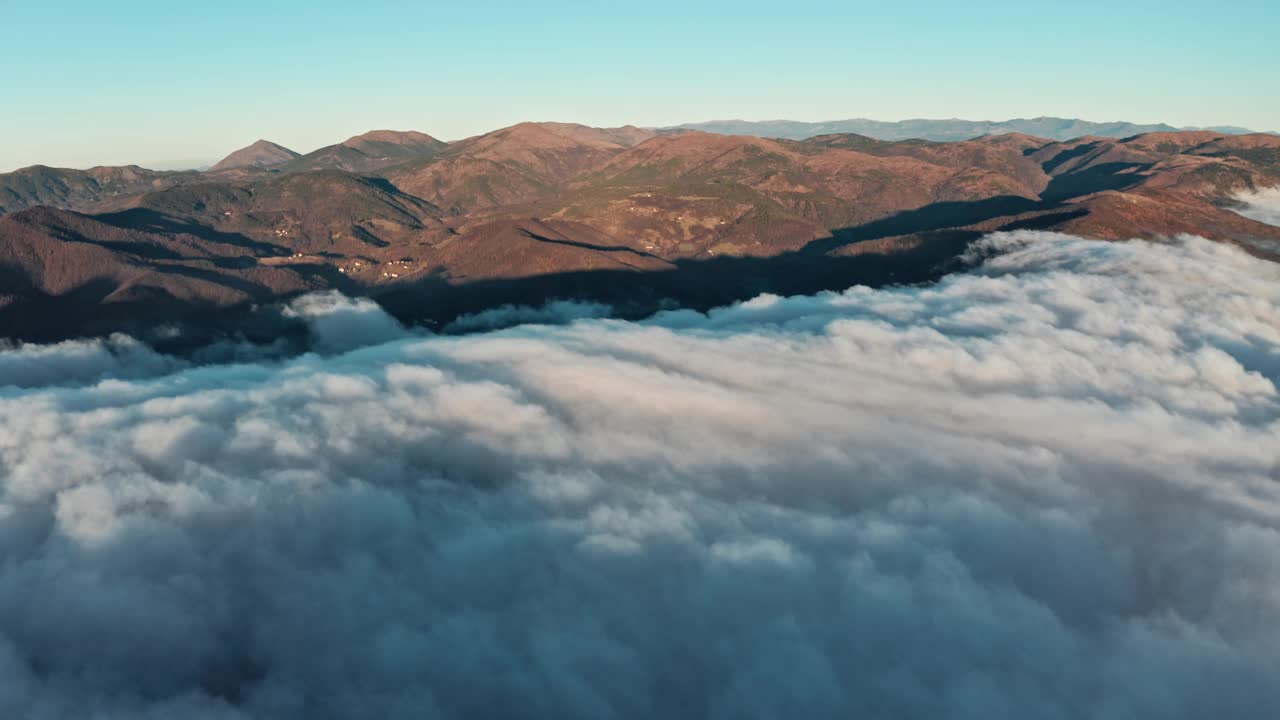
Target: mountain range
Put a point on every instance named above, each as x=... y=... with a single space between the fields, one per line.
x=1053 y=128
x=634 y=217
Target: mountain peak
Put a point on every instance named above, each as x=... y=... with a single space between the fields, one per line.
x=392 y=137
x=262 y=153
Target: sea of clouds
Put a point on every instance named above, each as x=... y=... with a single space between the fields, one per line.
x=1045 y=488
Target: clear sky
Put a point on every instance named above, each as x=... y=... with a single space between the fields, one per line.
x=178 y=83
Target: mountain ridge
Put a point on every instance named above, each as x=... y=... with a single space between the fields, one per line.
x=949 y=129
x=538 y=211
x=368 y=152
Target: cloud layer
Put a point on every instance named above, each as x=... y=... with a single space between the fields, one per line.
x=1048 y=488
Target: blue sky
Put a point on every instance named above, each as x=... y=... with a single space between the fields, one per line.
x=174 y=83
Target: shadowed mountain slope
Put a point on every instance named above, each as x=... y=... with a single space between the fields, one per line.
x=84 y=190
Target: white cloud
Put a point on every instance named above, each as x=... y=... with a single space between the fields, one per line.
x=556 y=312
x=1261 y=205
x=79 y=361
x=1043 y=489
x=338 y=323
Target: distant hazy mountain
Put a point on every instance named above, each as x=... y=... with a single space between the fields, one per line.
x=262 y=154
x=941 y=130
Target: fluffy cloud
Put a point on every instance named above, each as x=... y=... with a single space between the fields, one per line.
x=1046 y=488
x=556 y=312
x=338 y=323
x=80 y=361
x=1261 y=205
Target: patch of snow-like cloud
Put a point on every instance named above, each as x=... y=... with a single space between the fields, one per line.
x=338 y=323
x=556 y=312
x=328 y=322
x=79 y=361
x=1261 y=205
x=1047 y=488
